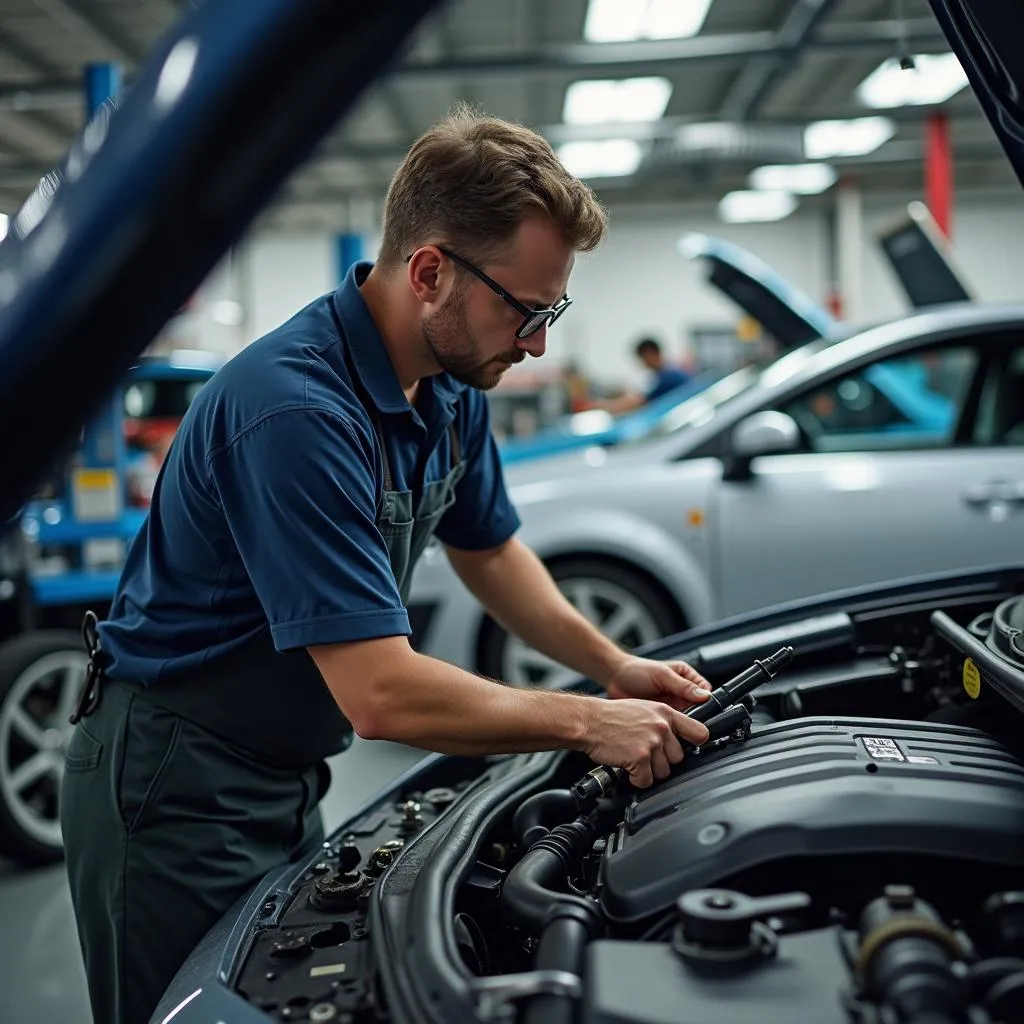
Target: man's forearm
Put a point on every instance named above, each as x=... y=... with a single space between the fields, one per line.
x=411 y=698
x=517 y=589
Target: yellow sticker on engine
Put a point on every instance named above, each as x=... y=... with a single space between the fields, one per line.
x=972 y=679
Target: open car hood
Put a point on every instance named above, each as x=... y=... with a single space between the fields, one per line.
x=921 y=259
x=155 y=191
x=985 y=35
x=790 y=316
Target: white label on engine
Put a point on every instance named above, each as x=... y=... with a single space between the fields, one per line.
x=881 y=748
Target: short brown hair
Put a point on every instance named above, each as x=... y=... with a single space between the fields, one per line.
x=471 y=180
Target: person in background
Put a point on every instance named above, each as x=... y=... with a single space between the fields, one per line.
x=666 y=378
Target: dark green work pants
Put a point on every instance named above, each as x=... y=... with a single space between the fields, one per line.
x=165 y=827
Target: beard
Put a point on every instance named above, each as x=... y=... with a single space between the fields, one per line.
x=451 y=342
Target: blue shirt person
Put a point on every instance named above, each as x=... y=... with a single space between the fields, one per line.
x=260 y=616
x=665 y=378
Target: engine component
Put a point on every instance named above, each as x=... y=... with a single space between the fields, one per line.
x=538 y=814
x=412 y=819
x=384 y=856
x=817 y=787
x=1004 y=923
x=906 y=960
x=440 y=797
x=723 y=929
x=536 y=884
x=725 y=712
x=739 y=686
x=627 y=982
x=338 y=891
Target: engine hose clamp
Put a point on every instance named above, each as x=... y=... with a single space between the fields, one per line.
x=906 y=927
x=495 y=996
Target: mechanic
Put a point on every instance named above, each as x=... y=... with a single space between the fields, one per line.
x=666 y=378
x=305 y=480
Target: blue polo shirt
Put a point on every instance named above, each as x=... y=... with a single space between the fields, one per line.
x=265 y=508
x=667 y=379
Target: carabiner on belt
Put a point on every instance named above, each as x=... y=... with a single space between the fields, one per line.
x=89 y=697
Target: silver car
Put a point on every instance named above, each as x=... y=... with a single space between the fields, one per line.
x=896 y=451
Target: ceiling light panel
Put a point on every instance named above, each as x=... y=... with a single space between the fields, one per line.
x=824 y=140
x=628 y=99
x=934 y=78
x=606 y=158
x=614 y=21
x=756 y=207
x=801 y=179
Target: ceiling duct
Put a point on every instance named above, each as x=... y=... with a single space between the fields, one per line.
x=726 y=141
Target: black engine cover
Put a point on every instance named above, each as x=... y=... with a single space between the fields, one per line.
x=817 y=787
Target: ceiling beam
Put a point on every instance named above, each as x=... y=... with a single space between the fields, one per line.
x=646 y=56
x=341 y=149
x=754 y=85
x=641 y=57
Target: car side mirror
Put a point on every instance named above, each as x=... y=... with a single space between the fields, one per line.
x=763 y=433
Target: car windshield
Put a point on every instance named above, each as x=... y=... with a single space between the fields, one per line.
x=702 y=407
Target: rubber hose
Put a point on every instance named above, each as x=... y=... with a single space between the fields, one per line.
x=537 y=815
x=536 y=885
x=563 y=946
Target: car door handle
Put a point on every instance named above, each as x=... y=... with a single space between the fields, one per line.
x=1008 y=492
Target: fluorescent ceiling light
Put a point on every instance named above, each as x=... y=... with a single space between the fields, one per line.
x=603 y=159
x=4 y=221
x=803 y=179
x=613 y=21
x=710 y=135
x=933 y=79
x=629 y=99
x=826 y=139
x=756 y=207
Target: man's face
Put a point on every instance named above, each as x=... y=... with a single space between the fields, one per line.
x=472 y=336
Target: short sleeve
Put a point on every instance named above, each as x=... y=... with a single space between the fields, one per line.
x=298 y=491
x=483 y=515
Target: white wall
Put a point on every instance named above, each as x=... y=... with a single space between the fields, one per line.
x=637 y=283
x=279 y=274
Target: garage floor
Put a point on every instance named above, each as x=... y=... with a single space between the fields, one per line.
x=41 y=975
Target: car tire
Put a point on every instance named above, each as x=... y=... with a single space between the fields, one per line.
x=41 y=674
x=627 y=605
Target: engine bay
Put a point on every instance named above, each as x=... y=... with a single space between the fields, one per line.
x=847 y=848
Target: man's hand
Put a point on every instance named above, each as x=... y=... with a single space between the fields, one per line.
x=641 y=736
x=672 y=682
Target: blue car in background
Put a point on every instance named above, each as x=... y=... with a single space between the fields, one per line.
x=598 y=427
x=786 y=313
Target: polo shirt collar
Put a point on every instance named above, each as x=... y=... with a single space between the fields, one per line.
x=370 y=357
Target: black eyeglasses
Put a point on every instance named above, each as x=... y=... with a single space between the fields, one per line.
x=533 y=319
